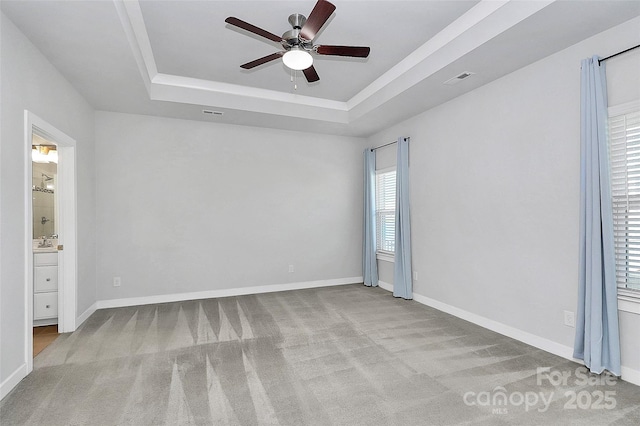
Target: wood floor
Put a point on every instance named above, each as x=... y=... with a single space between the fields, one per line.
x=43 y=337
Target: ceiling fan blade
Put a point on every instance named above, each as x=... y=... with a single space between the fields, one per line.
x=252 y=28
x=311 y=74
x=319 y=15
x=353 y=51
x=262 y=60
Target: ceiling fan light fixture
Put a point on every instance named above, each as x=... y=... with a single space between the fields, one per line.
x=297 y=59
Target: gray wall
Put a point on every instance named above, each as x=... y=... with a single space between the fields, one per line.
x=30 y=82
x=495 y=192
x=187 y=206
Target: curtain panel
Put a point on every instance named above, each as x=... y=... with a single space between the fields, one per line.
x=402 y=284
x=597 y=339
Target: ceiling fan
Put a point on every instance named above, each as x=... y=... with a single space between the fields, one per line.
x=298 y=42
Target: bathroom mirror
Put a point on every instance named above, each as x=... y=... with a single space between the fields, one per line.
x=44 y=199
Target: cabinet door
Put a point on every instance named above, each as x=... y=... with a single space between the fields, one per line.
x=45 y=305
x=45 y=278
x=40 y=259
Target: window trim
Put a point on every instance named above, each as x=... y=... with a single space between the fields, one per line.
x=387 y=256
x=628 y=299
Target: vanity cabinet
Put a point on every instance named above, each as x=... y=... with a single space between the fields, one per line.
x=45 y=288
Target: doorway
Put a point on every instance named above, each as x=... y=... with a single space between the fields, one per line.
x=45 y=217
x=62 y=259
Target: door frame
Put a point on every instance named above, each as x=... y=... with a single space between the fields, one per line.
x=67 y=229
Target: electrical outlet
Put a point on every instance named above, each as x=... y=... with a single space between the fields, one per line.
x=117 y=281
x=415 y=275
x=569 y=319
x=291 y=269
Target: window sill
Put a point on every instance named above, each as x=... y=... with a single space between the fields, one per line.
x=385 y=255
x=629 y=301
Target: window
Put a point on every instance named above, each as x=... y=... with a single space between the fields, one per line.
x=624 y=150
x=386 y=210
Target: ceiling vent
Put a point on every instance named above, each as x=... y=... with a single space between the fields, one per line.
x=458 y=78
x=209 y=112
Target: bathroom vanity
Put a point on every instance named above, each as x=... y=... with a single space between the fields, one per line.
x=45 y=287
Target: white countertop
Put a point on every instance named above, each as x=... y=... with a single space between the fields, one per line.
x=45 y=250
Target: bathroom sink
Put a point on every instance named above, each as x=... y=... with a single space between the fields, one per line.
x=51 y=246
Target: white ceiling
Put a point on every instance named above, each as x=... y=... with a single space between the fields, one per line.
x=175 y=58
x=216 y=50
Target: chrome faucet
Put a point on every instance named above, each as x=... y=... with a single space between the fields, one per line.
x=45 y=242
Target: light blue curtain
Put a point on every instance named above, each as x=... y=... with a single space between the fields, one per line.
x=402 y=285
x=369 y=263
x=597 y=335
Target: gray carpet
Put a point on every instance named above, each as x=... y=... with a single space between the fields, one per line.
x=346 y=355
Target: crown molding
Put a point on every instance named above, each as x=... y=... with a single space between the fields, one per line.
x=130 y=16
x=188 y=90
x=477 y=26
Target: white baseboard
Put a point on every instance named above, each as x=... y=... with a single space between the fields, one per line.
x=628 y=374
x=386 y=286
x=166 y=298
x=86 y=314
x=13 y=379
x=21 y=372
x=515 y=333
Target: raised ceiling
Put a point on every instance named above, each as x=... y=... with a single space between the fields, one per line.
x=176 y=58
x=216 y=50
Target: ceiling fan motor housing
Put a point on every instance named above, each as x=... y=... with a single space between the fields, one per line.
x=292 y=37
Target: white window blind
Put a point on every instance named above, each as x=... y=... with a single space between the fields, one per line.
x=386 y=210
x=624 y=150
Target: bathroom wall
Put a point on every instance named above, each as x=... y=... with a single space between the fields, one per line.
x=43 y=211
x=44 y=199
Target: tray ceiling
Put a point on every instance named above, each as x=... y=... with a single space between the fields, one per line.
x=176 y=58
